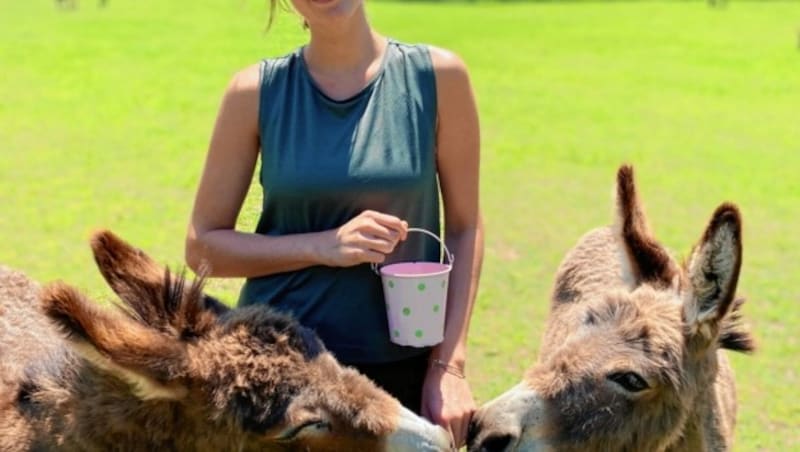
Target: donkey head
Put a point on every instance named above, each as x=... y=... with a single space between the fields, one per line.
x=630 y=353
x=244 y=379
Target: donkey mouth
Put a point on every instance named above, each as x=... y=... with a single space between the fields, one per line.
x=414 y=433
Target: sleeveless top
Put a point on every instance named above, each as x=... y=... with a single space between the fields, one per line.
x=325 y=161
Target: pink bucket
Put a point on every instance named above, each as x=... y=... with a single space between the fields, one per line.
x=416 y=298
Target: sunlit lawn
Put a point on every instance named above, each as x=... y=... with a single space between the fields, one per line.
x=105 y=115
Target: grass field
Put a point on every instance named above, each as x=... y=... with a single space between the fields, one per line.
x=105 y=115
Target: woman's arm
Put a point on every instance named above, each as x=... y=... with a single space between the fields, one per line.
x=212 y=243
x=447 y=398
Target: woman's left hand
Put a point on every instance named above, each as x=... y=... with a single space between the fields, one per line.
x=447 y=401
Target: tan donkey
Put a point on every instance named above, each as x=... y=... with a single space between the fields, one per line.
x=632 y=356
x=174 y=370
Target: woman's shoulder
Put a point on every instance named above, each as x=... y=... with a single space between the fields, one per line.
x=249 y=78
x=443 y=62
x=446 y=62
x=246 y=79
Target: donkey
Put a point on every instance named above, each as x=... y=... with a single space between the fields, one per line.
x=174 y=369
x=631 y=358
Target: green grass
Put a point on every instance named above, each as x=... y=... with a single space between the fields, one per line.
x=105 y=116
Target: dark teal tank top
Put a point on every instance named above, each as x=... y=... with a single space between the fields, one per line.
x=325 y=161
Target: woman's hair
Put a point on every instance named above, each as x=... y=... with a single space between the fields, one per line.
x=273 y=5
x=284 y=5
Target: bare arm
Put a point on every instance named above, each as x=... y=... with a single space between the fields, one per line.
x=458 y=149
x=213 y=244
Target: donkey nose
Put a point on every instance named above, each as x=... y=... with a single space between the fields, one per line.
x=495 y=443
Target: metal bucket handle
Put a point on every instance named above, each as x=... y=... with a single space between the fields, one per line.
x=447 y=254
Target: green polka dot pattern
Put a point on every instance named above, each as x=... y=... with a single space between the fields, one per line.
x=415 y=308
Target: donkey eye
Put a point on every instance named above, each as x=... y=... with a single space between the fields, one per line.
x=308 y=428
x=630 y=381
x=314 y=428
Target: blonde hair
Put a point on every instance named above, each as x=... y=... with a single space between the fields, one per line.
x=273 y=4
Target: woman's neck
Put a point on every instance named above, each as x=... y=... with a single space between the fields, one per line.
x=343 y=60
x=343 y=48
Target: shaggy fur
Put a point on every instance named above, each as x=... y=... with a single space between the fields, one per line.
x=172 y=369
x=631 y=359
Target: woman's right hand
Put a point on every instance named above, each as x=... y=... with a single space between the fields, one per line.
x=368 y=237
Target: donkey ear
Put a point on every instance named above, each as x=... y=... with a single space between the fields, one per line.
x=151 y=291
x=130 y=272
x=151 y=362
x=649 y=261
x=133 y=275
x=713 y=270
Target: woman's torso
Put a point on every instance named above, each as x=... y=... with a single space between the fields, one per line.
x=322 y=163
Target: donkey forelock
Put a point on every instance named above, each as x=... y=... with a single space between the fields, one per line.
x=151 y=295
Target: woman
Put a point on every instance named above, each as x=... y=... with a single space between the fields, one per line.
x=358 y=136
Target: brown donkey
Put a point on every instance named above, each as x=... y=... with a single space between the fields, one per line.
x=631 y=359
x=173 y=369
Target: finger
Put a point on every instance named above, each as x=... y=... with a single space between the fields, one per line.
x=434 y=416
x=354 y=254
x=376 y=244
x=454 y=429
x=379 y=230
x=404 y=230
x=452 y=437
x=460 y=432
x=371 y=257
x=389 y=221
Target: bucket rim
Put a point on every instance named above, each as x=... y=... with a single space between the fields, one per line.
x=378 y=269
x=447 y=268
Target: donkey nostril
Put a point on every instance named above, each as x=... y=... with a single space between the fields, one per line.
x=495 y=443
